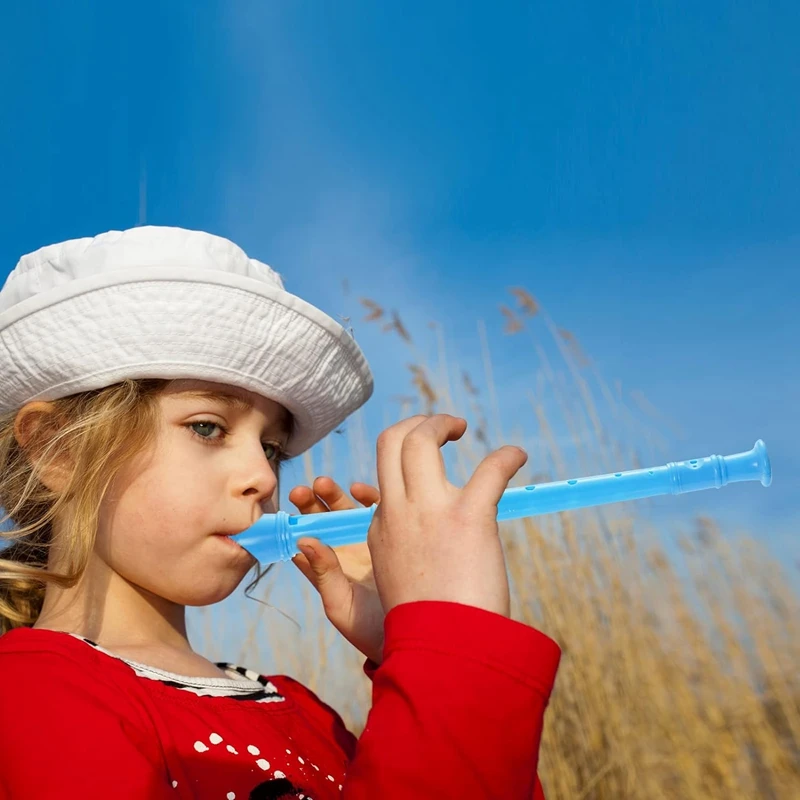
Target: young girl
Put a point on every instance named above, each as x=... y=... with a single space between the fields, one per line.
x=152 y=382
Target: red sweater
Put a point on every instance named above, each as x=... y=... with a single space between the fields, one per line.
x=457 y=711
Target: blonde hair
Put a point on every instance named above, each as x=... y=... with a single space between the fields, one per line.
x=97 y=433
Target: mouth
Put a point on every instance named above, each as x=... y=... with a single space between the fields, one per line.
x=226 y=537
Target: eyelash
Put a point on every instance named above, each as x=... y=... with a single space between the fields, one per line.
x=278 y=458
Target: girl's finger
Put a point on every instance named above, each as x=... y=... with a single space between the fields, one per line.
x=388 y=458
x=323 y=569
x=306 y=501
x=421 y=454
x=365 y=494
x=301 y=562
x=337 y=500
x=491 y=478
x=327 y=495
x=332 y=494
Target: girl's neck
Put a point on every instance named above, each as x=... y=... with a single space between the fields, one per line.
x=114 y=613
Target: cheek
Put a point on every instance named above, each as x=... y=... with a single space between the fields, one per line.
x=158 y=543
x=136 y=544
x=185 y=569
x=144 y=522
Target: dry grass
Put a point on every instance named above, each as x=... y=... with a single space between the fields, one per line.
x=679 y=677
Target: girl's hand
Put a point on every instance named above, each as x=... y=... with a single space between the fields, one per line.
x=342 y=575
x=430 y=540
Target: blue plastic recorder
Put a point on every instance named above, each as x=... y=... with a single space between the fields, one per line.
x=274 y=537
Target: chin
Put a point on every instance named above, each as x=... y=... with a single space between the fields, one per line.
x=207 y=597
x=199 y=592
x=198 y=579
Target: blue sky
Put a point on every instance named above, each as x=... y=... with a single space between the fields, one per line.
x=635 y=166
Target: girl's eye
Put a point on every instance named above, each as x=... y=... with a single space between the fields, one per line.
x=273 y=451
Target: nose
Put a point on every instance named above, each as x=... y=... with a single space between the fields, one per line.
x=260 y=481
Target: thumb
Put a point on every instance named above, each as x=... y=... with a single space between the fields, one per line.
x=491 y=478
x=325 y=573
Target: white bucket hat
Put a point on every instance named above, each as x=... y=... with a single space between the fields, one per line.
x=161 y=302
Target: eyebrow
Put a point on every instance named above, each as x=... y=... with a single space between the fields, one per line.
x=234 y=401
x=230 y=400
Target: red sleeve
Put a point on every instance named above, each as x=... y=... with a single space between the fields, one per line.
x=64 y=733
x=457 y=707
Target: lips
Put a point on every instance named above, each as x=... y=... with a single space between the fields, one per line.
x=231 y=543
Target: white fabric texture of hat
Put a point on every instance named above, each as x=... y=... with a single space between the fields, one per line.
x=170 y=303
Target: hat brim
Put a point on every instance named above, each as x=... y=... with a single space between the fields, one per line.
x=183 y=322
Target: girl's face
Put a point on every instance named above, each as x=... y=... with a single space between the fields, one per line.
x=213 y=470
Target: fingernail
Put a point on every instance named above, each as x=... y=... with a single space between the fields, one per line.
x=307 y=551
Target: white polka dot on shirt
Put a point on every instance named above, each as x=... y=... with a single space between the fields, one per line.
x=263 y=763
x=279 y=774
x=253 y=750
x=231 y=795
x=232 y=749
x=200 y=747
x=215 y=738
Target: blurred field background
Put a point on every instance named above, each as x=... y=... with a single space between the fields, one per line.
x=681 y=644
